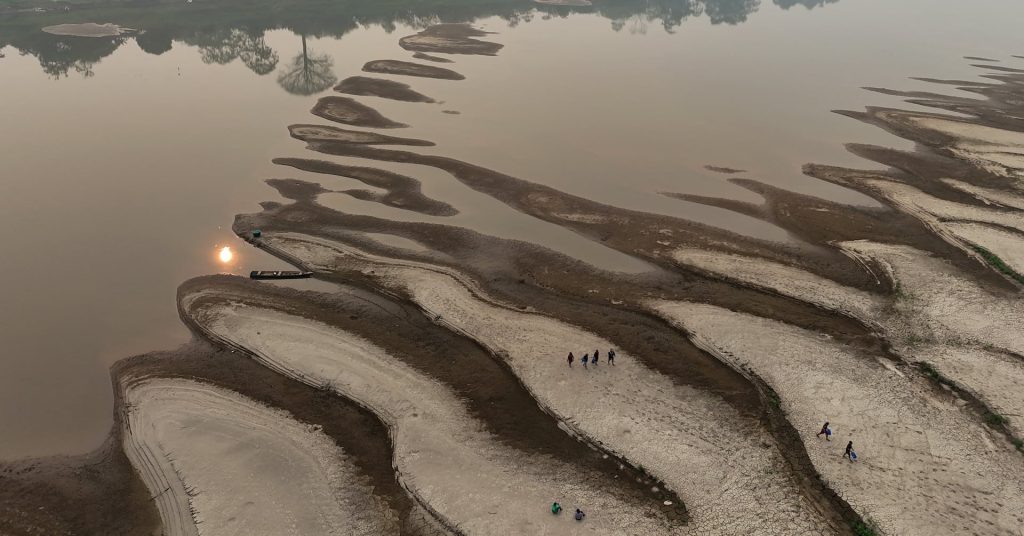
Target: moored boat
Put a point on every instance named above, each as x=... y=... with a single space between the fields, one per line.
x=278 y=274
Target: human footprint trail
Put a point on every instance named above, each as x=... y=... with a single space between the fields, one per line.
x=732 y=479
x=218 y=463
x=926 y=467
x=443 y=455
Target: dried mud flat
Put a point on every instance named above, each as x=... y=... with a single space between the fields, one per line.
x=430 y=393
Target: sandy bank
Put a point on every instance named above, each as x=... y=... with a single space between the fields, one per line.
x=939 y=302
x=428 y=57
x=379 y=87
x=350 y=112
x=926 y=467
x=916 y=202
x=450 y=39
x=441 y=453
x=1009 y=246
x=732 y=483
x=787 y=280
x=220 y=463
x=315 y=133
x=408 y=68
x=988 y=195
x=88 y=29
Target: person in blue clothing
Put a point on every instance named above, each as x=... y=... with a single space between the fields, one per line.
x=584 y=360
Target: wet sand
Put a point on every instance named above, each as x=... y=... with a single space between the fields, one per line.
x=450 y=39
x=428 y=57
x=350 y=112
x=408 y=68
x=314 y=133
x=378 y=87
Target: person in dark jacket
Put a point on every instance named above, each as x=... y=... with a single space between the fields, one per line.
x=570 y=359
x=826 y=431
x=611 y=357
x=849 y=450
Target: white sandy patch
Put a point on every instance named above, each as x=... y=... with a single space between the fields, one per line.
x=922 y=205
x=943 y=317
x=997 y=150
x=786 y=280
x=693 y=441
x=970 y=131
x=442 y=453
x=87 y=29
x=988 y=195
x=1008 y=246
x=240 y=467
x=926 y=467
x=939 y=303
x=994 y=377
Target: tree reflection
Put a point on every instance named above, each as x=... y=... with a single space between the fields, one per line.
x=308 y=73
x=61 y=56
x=730 y=11
x=155 y=42
x=224 y=33
x=634 y=16
x=223 y=47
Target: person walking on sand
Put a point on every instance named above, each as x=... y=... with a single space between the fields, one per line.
x=849 y=451
x=611 y=357
x=570 y=359
x=580 y=515
x=594 y=359
x=826 y=431
x=585 y=357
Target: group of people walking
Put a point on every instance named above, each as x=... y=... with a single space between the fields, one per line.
x=592 y=359
x=826 y=431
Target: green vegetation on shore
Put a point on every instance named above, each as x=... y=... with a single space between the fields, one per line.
x=992 y=419
x=864 y=528
x=998 y=263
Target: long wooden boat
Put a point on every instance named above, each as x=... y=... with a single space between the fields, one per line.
x=279 y=274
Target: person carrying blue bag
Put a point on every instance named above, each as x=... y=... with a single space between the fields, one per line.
x=850 y=453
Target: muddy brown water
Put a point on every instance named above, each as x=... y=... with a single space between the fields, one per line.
x=121 y=177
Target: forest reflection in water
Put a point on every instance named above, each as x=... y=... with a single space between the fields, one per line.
x=227 y=31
